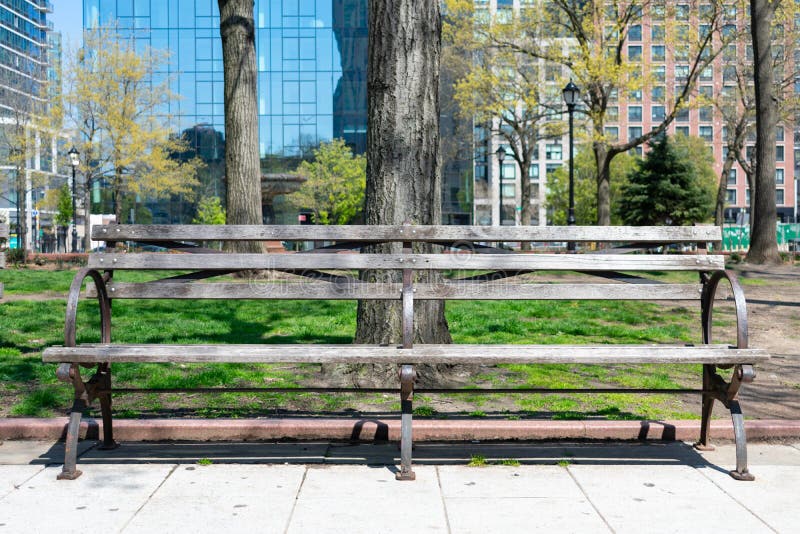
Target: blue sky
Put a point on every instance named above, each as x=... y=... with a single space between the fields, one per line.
x=67 y=18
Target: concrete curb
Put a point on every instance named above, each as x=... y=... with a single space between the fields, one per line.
x=389 y=429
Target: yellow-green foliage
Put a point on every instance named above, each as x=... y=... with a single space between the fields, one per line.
x=117 y=103
x=210 y=211
x=334 y=186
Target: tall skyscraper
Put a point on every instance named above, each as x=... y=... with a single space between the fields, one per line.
x=26 y=49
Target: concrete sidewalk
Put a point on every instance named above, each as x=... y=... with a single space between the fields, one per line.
x=328 y=487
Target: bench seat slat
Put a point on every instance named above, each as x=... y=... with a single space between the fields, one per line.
x=379 y=291
x=508 y=262
x=448 y=354
x=374 y=233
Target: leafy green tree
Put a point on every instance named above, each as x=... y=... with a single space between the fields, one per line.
x=668 y=188
x=334 y=186
x=586 y=188
x=210 y=211
x=64 y=207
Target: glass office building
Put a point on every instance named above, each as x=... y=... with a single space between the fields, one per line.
x=311 y=59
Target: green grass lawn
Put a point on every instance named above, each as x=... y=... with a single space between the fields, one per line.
x=30 y=388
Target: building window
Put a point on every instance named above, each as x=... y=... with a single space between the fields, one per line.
x=635 y=113
x=635 y=33
x=682 y=130
x=779 y=197
x=657 y=34
x=779 y=133
x=634 y=132
x=612 y=113
x=533 y=172
x=706 y=113
x=707 y=74
x=730 y=197
x=682 y=115
x=681 y=73
x=509 y=191
x=509 y=171
x=552 y=152
x=658 y=93
x=659 y=73
x=658 y=113
x=682 y=12
x=612 y=132
x=658 y=52
x=634 y=52
x=779 y=176
x=779 y=153
x=551 y=168
x=707 y=133
x=732 y=177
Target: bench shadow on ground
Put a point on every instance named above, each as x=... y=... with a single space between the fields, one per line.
x=382 y=454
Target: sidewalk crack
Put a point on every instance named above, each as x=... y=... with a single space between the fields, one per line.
x=149 y=497
x=296 y=498
x=589 y=500
x=444 y=503
x=737 y=501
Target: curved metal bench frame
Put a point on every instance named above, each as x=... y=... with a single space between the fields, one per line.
x=714 y=386
x=99 y=385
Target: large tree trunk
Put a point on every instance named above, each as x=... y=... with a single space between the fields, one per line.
x=763 y=238
x=603 y=160
x=242 y=165
x=22 y=214
x=403 y=167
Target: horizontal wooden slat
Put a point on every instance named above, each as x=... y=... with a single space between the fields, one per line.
x=643 y=234
x=450 y=290
x=571 y=262
x=450 y=354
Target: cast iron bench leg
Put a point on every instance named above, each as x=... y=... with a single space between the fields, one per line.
x=407 y=376
x=70 y=470
x=741 y=472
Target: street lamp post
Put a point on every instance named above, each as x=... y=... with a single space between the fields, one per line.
x=74 y=162
x=501 y=155
x=571 y=95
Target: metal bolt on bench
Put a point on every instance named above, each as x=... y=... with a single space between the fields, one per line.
x=611 y=265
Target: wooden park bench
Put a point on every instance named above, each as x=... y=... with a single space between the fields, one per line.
x=620 y=252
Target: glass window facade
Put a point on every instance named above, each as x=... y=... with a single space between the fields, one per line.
x=311 y=58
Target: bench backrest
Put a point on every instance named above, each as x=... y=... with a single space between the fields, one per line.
x=462 y=248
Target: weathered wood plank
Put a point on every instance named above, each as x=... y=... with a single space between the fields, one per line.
x=643 y=234
x=265 y=290
x=450 y=354
x=572 y=262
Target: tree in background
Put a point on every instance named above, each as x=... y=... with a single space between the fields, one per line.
x=63 y=216
x=112 y=102
x=737 y=104
x=669 y=187
x=763 y=212
x=242 y=166
x=586 y=188
x=24 y=108
x=598 y=59
x=209 y=211
x=501 y=88
x=334 y=186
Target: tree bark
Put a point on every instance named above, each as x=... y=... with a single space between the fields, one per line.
x=722 y=190
x=403 y=166
x=525 y=198
x=242 y=164
x=763 y=238
x=87 y=215
x=602 y=158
